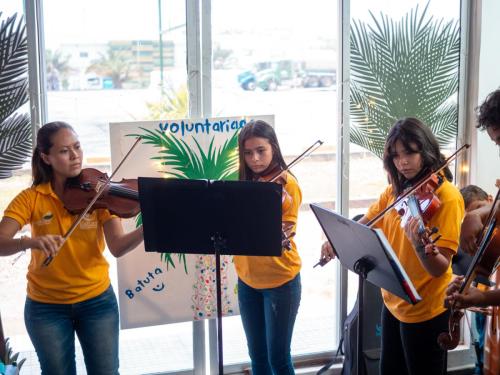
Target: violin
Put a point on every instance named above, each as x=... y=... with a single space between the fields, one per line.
x=492 y=337
x=278 y=175
x=95 y=184
x=484 y=262
x=422 y=205
x=120 y=198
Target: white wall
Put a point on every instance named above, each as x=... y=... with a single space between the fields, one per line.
x=488 y=159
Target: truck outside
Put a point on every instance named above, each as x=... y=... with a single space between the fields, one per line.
x=269 y=75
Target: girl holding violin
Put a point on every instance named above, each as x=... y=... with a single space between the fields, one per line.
x=409 y=332
x=73 y=293
x=269 y=288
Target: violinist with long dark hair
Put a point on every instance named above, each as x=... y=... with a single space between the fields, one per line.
x=409 y=332
x=269 y=288
x=73 y=294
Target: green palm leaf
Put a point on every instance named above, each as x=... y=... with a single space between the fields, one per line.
x=215 y=163
x=398 y=69
x=15 y=143
x=15 y=129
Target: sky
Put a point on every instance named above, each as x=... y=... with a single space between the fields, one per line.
x=97 y=21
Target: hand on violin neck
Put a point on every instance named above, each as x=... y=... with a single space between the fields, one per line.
x=471 y=297
x=413 y=232
x=287 y=233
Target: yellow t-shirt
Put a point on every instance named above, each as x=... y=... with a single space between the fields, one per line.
x=79 y=271
x=447 y=219
x=271 y=272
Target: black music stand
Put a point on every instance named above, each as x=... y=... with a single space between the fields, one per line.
x=211 y=217
x=366 y=252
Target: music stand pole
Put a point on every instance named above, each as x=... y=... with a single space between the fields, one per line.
x=361 y=267
x=219 y=245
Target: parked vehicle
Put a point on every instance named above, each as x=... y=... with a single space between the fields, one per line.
x=269 y=75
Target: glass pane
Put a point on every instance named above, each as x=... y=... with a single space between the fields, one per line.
x=13 y=275
x=398 y=83
x=279 y=57
x=120 y=61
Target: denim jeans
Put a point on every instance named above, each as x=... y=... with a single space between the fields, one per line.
x=268 y=317
x=52 y=328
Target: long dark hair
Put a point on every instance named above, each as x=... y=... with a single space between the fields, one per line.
x=416 y=137
x=41 y=171
x=260 y=129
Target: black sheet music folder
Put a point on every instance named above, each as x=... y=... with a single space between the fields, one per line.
x=183 y=215
x=353 y=241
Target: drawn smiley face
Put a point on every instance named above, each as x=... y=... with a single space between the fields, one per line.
x=159 y=288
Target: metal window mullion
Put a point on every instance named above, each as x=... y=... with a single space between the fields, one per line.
x=470 y=42
x=206 y=87
x=36 y=64
x=194 y=57
x=193 y=64
x=342 y=204
x=206 y=57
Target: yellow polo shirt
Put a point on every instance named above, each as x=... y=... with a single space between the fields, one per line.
x=271 y=272
x=448 y=220
x=79 y=271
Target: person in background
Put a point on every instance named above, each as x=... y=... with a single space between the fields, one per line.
x=73 y=294
x=269 y=288
x=474 y=198
x=488 y=118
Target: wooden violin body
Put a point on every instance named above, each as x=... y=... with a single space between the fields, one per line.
x=120 y=198
x=491 y=357
x=421 y=205
x=484 y=262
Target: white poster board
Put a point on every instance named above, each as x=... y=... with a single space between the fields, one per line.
x=155 y=288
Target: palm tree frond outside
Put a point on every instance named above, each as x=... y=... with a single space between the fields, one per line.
x=15 y=128
x=401 y=69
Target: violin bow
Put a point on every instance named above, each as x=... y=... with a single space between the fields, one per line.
x=100 y=189
x=298 y=159
x=417 y=186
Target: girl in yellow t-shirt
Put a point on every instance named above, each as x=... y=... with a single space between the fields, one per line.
x=269 y=288
x=73 y=294
x=409 y=332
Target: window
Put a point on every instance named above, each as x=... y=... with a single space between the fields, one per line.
x=280 y=58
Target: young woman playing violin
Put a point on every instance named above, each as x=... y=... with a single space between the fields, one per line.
x=72 y=294
x=269 y=288
x=409 y=332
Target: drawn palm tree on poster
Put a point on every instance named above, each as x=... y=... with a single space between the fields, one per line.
x=400 y=69
x=181 y=161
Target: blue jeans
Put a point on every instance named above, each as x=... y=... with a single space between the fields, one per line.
x=268 y=317
x=52 y=328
